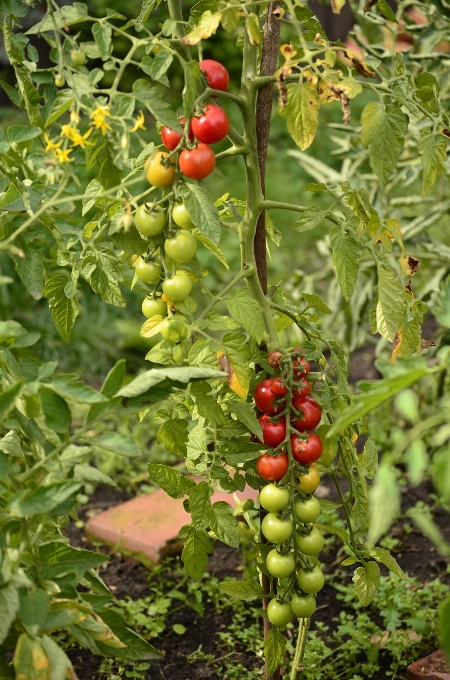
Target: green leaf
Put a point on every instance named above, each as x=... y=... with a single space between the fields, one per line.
x=195 y=553
x=181 y=374
x=242 y=590
x=390 y=562
x=234 y=359
x=302 y=111
x=423 y=519
x=174 y=435
x=22 y=133
x=246 y=311
x=367 y=581
x=200 y=506
x=216 y=322
x=8 y=397
x=384 y=132
x=68 y=387
x=345 y=259
x=213 y=247
x=192 y=75
x=102 y=36
x=65 y=16
x=434 y=156
x=386 y=10
x=310 y=218
x=343 y=535
x=390 y=309
x=34 y=606
x=207 y=406
x=59 y=559
x=104 y=279
x=55 y=409
x=230 y=19
x=9 y=606
x=225 y=524
x=416 y=461
x=30 y=661
x=246 y=414
x=384 y=500
x=30 y=268
x=206 y=27
x=42 y=499
x=121 y=444
x=64 y=311
x=202 y=210
x=237 y=452
x=112 y=383
x=154 y=97
x=101 y=155
x=316 y=302
x=89 y=474
x=252 y=28
x=444 y=626
x=60 y=664
x=274 y=646
x=147 y=8
x=369 y=458
x=174 y=484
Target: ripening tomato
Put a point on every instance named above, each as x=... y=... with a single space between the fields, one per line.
x=171 y=138
x=278 y=388
x=154 y=307
x=215 y=74
x=307 y=511
x=178 y=287
x=311 y=414
x=308 y=450
x=302 y=390
x=156 y=172
x=300 y=365
x=60 y=81
x=272 y=468
x=212 y=126
x=309 y=482
x=273 y=499
x=148 y=221
x=148 y=272
x=182 y=247
x=273 y=433
x=78 y=56
x=303 y=607
x=310 y=544
x=278 y=565
x=311 y=581
x=264 y=398
x=197 y=163
x=276 y=530
x=279 y=614
x=181 y=217
x=273 y=359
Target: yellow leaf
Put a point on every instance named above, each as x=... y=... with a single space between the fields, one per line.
x=152 y=326
x=206 y=27
x=337 y=5
x=235 y=383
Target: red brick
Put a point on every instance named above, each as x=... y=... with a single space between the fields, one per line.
x=145 y=524
x=432 y=667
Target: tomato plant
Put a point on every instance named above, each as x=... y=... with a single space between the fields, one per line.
x=265 y=396
x=154 y=307
x=177 y=287
x=311 y=581
x=181 y=217
x=280 y=565
x=274 y=433
x=279 y=614
x=78 y=56
x=273 y=498
x=212 y=126
x=303 y=607
x=158 y=173
x=311 y=414
x=197 y=163
x=272 y=468
x=309 y=481
x=276 y=530
x=149 y=221
x=311 y=543
x=215 y=73
x=306 y=450
x=308 y=510
x=148 y=272
x=182 y=247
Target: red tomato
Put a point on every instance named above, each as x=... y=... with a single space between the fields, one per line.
x=216 y=74
x=301 y=367
x=278 y=388
x=273 y=359
x=171 y=138
x=303 y=390
x=307 y=451
x=273 y=433
x=212 y=126
x=264 y=397
x=272 y=468
x=197 y=163
x=311 y=414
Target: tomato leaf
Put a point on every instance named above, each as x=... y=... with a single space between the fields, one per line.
x=206 y=27
x=207 y=406
x=434 y=156
x=391 y=305
x=345 y=259
x=384 y=133
x=225 y=524
x=195 y=553
x=302 y=111
x=174 y=435
x=9 y=606
x=274 y=646
x=246 y=414
x=366 y=580
x=385 y=557
x=234 y=361
x=384 y=501
x=246 y=311
x=181 y=374
x=30 y=660
x=154 y=97
x=202 y=210
x=242 y=590
x=170 y=480
x=444 y=626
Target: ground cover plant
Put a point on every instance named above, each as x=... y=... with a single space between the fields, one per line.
x=245 y=372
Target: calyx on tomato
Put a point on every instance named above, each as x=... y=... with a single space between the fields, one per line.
x=311 y=414
x=306 y=450
x=274 y=433
x=265 y=397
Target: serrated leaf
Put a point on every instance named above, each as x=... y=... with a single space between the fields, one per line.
x=65 y=16
x=200 y=506
x=324 y=528
x=216 y=322
x=146 y=9
x=174 y=435
x=207 y=406
x=102 y=36
x=246 y=414
x=202 y=210
x=391 y=305
x=225 y=524
x=154 y=97
x=206 y=27
x=434 y=156
x=345 y=259
x=246 y=311
x=384 y=500
x=234 y=362
x=181 y=374
x=69 y=387
x=367 y=581
x=384 y=133
x=213 y=247
x=170 y=480
x=310 y=218
x=302 y=111
x=390 y=562
x=195 y=553
x=316 y=302
x=242 y=590
x=64 y=310
x=274 y=646
x=121 y=444
x=386 y=10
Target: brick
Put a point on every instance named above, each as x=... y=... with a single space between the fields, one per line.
x=432 y=667
x=147 y=526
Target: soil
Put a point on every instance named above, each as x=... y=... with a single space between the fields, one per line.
x=126 y=577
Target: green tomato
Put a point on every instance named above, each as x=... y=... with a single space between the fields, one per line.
x=307 y=511
x=181 y=217
x=173 y=330
x=303 y=607
x=177 y=355
x=279 y=614
x=272 y=498
x=149 y=222
x=60 y=81
x=182 y=247
x=280 y=565
x=311 y=544
x=276 y=530
x=311 y=581
x=152 y=307
x=78 y=56
x=178 y=287
x=148 y=272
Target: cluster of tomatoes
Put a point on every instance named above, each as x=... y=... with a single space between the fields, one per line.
x=196 y=160
x=289 y=522
x=207 y=126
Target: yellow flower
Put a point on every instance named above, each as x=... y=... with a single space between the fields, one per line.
x=69 y=132
x=50 y=144
x=75 y=136
x=63 y=155
x=74 y=117
x=98 y=118
x=139 y=124
x=81 y=139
